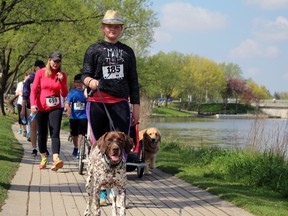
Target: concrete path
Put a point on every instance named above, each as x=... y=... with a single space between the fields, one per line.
x=37 y=192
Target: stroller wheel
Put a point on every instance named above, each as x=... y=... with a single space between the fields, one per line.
x=81 y=155
x=140 y=171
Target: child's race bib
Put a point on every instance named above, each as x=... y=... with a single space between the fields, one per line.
x=79 y=106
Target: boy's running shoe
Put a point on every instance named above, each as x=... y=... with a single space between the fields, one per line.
x=75 y=151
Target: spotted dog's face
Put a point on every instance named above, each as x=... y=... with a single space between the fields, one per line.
x=112 y=144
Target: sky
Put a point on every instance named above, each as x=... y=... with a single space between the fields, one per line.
x=250 y=33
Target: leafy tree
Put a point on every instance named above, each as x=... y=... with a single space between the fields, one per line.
x=231 y=70
x=147 y=76
x=258 y=92
x=165 y=69
x=236 y=87
x=70 y=26
x=234 y=81
x=202 y=78
x=281 y=95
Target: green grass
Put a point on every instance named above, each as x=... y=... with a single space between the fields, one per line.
x=65 y=125
x=209 y=108
x=234 y=175
x=166 y=111
x=11 y=153
x=218 y=108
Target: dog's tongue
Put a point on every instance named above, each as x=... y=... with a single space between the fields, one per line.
x=153 y=145
x=114 y=158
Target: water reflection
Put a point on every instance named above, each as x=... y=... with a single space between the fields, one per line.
x=211 y=131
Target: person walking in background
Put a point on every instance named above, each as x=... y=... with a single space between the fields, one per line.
x=32 y=134
x=48 y=88
x=22 y=120
x=75 y=108
x=111 y=66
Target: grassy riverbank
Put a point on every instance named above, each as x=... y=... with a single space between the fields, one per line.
x=257 y=182
x=253 y=181
x=11 y=153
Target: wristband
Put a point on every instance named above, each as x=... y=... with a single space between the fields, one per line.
x=88 y=85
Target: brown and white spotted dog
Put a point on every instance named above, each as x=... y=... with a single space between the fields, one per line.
x=107 y=169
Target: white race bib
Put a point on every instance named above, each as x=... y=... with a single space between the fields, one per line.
x=79 y=106
x=113 y=71
x=52 y=101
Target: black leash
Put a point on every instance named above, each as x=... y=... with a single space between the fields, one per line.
x=112 y=128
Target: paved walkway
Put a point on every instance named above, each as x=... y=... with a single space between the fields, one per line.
x=37 y=192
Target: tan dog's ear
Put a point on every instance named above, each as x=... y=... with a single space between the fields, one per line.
x=128 y=143
x=159 y=135
x=145 y=134
x=101 y=144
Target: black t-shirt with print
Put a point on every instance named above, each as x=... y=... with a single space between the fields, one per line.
x=114 y=66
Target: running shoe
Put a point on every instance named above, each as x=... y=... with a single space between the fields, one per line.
x=75 y=151
x=57 y=164
x=24 y=134
x=43 y=163
x=34 y=152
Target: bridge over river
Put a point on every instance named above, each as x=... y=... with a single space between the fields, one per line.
x=274 y=108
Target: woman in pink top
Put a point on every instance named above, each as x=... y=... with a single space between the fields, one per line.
x=49 y=86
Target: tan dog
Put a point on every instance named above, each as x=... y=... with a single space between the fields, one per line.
x=151 y=138
x=107 y=168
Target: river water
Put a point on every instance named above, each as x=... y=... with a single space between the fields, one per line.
x=233 y=133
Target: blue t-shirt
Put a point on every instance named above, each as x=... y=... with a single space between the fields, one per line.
x=78 y=104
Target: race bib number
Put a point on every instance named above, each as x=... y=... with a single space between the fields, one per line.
x=79 y=106
x=113 y=71
x=52 y=101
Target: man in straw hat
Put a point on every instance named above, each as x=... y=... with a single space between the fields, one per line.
x=110 y=66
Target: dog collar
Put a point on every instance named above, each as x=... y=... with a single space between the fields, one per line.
x=108 y=165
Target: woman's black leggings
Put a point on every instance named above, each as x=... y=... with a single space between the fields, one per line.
x=51 y=120
x=99 y=122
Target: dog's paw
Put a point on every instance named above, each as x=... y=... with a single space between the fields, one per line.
x=148 y=172
x=87 y=212
x=119 y=204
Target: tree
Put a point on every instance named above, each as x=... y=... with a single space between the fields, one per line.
x=202 y=78
x=166 y=72
x=234 y=81
x=231 y=70
x=257 y=92
x=70 y=26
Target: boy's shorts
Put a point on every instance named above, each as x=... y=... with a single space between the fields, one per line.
x=78 y=126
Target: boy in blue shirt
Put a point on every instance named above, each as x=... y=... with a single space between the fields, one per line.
x=75 y=108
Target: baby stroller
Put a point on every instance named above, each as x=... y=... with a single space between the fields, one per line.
x=135 y=159
x=84 y=150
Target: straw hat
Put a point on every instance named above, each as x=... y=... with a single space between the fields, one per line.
x=112 y=17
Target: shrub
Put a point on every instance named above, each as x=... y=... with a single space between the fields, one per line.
x=265 y=170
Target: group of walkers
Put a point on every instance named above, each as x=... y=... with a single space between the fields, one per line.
x=109 y=77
